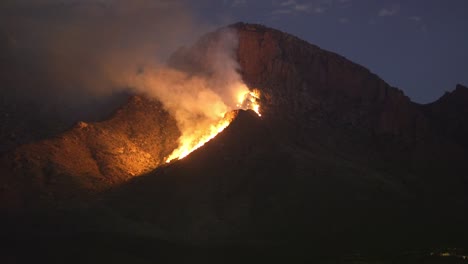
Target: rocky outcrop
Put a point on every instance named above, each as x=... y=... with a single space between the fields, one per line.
x=449 y=115
x=90 y=157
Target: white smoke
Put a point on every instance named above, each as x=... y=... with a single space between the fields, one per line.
x=82 y=50
x=197 y=101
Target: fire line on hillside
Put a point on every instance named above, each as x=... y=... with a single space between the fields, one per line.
x=246 y=99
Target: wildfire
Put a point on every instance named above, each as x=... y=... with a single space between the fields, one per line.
x=189 y=142
x=249 y=100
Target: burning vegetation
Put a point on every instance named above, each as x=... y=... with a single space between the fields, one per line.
x=199 y=87
x=194 y=139
x=250 y=100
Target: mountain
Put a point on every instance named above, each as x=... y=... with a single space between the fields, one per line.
x=339 y=162
x=338 y=155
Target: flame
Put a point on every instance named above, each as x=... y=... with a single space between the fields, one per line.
x=249 y=100
x=191 y=142
x=196 y=138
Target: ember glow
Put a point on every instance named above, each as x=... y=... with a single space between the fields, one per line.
x=199 y=94
x=249 y=100
x=193 y=140
x=189 y=143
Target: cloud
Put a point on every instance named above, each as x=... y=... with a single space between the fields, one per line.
x=389 y=11
x=415 y=18
x=294 y=7
x=301 y=7
x=237 y=3
x=419 y=21
x=73 y=52
x=288 y=3
x=424 y=28
x=343 y=20
x=281 y=11
x=319 y=10
x=344 y=3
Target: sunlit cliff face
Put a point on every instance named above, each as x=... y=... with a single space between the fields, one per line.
x=193 y=139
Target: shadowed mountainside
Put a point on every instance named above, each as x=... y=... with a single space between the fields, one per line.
x=449 y=115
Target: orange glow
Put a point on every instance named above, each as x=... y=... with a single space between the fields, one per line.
x=249 y=100
x=188 y=142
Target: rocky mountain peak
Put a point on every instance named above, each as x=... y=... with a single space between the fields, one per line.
x=461 y=92
x=302 y=81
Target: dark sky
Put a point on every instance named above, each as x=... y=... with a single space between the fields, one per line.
x=419 y=46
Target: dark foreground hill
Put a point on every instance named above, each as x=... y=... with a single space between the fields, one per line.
x=339 y=162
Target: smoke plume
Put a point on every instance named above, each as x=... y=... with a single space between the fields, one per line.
x=76 y=52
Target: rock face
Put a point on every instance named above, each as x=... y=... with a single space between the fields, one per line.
x=90 y=157
x=449 y=115
x=339 y=159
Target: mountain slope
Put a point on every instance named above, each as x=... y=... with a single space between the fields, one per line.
x=244 y=187
x=90 y=157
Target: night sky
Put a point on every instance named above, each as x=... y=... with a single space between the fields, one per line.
x=419 y=46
